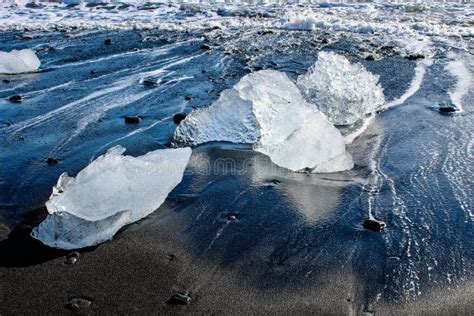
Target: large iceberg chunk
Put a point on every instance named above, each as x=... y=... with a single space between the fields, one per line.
x=18 y=61
x=345 y=92
x=266 y=109
x=113 y=191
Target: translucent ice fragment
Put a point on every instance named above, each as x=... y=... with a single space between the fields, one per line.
x=113 y=191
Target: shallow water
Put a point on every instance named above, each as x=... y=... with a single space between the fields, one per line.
x=293 y=229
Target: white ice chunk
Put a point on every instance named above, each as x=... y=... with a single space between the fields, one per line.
x=229 y=119
x=343 y=91
x=18 y=61
x=266 y=109
x=113 y=191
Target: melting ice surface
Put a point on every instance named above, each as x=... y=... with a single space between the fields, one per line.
x=18 y=61
x=345 y=92
x=266 y=109
x=113 y=191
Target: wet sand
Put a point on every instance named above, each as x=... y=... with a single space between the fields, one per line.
x=144 y=265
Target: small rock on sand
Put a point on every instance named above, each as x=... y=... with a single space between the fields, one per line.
x=447 y=109
x=150 y=83
x=132 y=119
x=179 y=298
x=52 y=161
x=72 y=258
x=16 y=98
x=177 y=118
x=78 y=303
x=374 y=225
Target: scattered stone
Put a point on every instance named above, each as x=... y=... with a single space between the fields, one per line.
x=370 y=57
x=177 y=118
x=93 y=72
x=72 y=258
x=21 y=137
x=204 y=71
x=6 y=81
x=150 y=83
x=52 y=161
x=16 y=99
x=179 y=298
x=78 y=303
x=394 y=258
x=447 y=109
x=132 y=119
x=205 y=47
x=374 y=225
x=272 y=183
x=171 y=257
x=372 y=189
x=232 y=217
x=187 y=98
x=415 y=57
x=135 y=49
x=324 y=41
x=108 y=41
x=257 y=68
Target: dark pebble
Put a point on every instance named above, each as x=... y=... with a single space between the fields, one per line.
x=32 y=5
x=415 y=57
x=371 y=189
x=108 y=41
x=204 y=71
x=52 y=161
x=187 y=98
x=6 y=81
x=179 y=299
x=447 y=109
x=374 y=225
x=135 y=49
x=16 y=98
x=370 y=57
x=205 y=47
x=132 y=119
x=177 y=118
x=150 y=83
x=78 y=303
x=72 y=258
